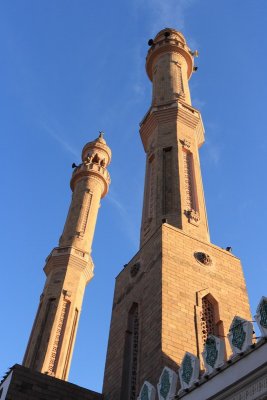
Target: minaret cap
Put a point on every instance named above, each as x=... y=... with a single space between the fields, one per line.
x=166 y=41
x=99 y=144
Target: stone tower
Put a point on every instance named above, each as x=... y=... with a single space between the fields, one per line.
x=69 y=267
x=179 y=287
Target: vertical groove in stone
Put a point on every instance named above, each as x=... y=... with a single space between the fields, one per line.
x=189 y=179
x=84 y=213
x=31 y=336
x=54 y=358
x=177 y=79
x=167 y=181
x=151 y=188
x=39 y=340
x=72 y=335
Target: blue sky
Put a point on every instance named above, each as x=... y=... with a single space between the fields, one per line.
x=71 y=68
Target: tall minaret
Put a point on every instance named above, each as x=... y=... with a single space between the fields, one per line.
x=69 y=267
x=179 y=287
x=171 y=132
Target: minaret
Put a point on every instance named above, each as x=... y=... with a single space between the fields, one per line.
x=69 y=267
x=171 y=132
x=179 y=287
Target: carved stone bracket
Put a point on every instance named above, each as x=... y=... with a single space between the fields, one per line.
x=193 y=216
x=186 y=143
x=66 y=293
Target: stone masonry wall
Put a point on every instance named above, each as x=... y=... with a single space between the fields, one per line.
x=185 y=281
x=144 y=288
x=27 y=384
x=169 y=287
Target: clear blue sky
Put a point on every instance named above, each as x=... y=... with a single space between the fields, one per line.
x=71 y=68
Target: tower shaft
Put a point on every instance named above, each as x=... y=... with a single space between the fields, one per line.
x=171 y=132
x=69 y=268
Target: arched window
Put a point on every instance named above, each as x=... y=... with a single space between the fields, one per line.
x=96 y=159
x=190 y=182
x=208 y=325
x=130 y=357
x=210 y=321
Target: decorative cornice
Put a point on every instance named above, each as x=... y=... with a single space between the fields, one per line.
x=87 y=169
x=65 y=256
x=175 y=43
x=177 y=110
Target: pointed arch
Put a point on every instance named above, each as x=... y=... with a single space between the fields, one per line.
x=208 y=318
x=208 y=321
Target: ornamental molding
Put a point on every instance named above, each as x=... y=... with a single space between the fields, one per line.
x=261 y=316
x=185 y=143
x=242 y=377
x=170 y=46
x=71 y=259
x=240 y=335
x=91 y=170
x=175 y=110
x=83 y=255
x=189 y=371
x=188 y=117
x=193 y=216
x=213 y=354
x=147 y=392
x=167 y=384
x=255 y=390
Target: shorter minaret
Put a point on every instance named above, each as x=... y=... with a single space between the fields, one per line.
x=69 y=267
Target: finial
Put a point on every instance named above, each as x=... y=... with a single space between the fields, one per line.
x=101 y=135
